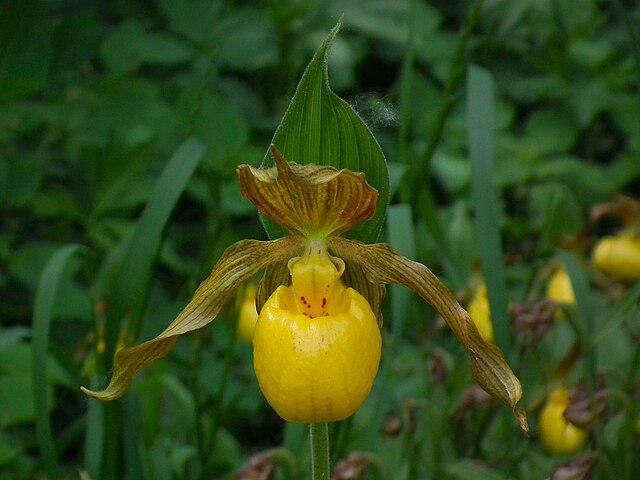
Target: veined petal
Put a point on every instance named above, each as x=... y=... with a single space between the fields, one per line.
x=384 y=265
x=239 y=263
x=309 y=199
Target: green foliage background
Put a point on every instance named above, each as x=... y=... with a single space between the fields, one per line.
x=121 y=124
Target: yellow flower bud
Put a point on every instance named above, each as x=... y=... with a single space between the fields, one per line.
x=559 y=436
x=317 y=343
x=247 y=316
x=480 y=313
x=560 y=290
x=619 y=257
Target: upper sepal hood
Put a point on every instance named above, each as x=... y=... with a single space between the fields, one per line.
x=315 y=201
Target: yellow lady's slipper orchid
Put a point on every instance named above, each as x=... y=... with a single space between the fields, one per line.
x=247 y=315
x=619 y=256
x=480 y=313
x=317 y=340
x=317 y=343
x=557 y=434
x=560 y=290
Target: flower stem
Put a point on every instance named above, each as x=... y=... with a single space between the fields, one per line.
x=319 y=436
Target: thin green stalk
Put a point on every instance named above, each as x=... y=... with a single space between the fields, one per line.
x=46 y=297
x=319 y=436
x=480 y=122
x=217 y=408
x=405 y=88
x=447 y=100
x=203 y=449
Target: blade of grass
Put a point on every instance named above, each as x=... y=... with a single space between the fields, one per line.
x=480 y=122
x=133 y=282
x=44 y=305
x=400 y=235
x=585 y=326
x=132 y=285
x=94 y=437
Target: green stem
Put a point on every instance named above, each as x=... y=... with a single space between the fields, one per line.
x=448 y=98
x=319 y=436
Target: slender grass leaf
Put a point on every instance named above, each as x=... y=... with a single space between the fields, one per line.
x=627 y=307
x=132 y=284
x=94 y=437
x=580 y=286
x=320 y=128
x=480 y=119
x=585 y=324
x=401 y=236
x=43 y=311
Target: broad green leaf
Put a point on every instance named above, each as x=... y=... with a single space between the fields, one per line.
x=248 y=40
x=221 y=126
x=21 y=178
x=320 y=128
x=389 y=21
x=129 y=46
x=194 y=20
x=26 y=49
x=551 y=131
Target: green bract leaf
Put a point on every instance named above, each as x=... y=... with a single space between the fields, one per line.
x=320 y=128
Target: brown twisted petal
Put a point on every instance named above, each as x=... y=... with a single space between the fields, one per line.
x=490 y=369
x=309 y=199
x=240 y=262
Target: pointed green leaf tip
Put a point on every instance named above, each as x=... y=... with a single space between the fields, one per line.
x=320 y=128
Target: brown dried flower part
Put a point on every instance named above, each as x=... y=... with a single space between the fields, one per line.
x=623 y=208
x=258 y=467
x=579 y=468
x=438 y=366
x=391 y=426
x=535 y=320
x=472 y=398
x=584 y=410
x=352 y=468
